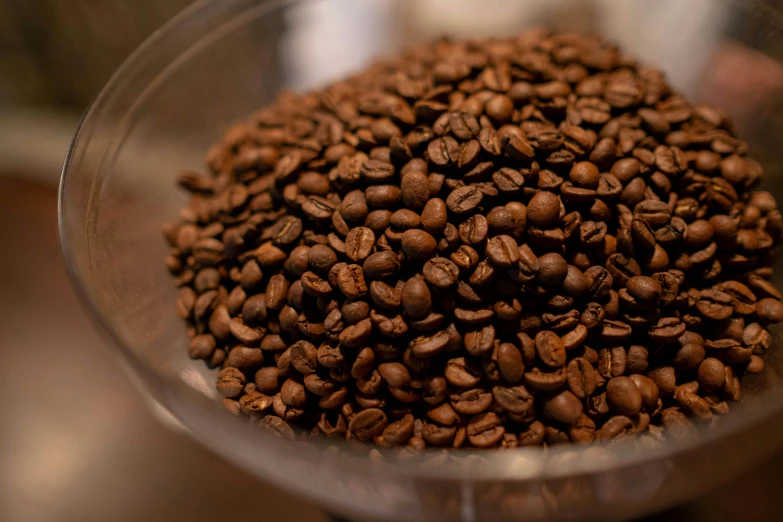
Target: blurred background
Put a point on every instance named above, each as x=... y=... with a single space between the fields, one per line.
x=77 y=441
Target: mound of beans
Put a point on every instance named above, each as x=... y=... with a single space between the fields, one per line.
x=493 y=243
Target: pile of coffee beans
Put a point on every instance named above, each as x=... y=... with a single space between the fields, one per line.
x=490 y=243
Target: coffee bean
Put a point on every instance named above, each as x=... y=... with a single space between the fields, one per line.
x=367 y=424
x=622 y=268
x=543 y=210
x=614 y=428
x=581 y=377
x=612 y=362
x=231 y=382
x=480 y=342
x=689 y=356
x=350 y=281
x=563 y=407
x=474 y=230
x=714 y=305
x=440 y=272
x=434 y=216
x=485 y=430
x=471 y=402
x=416 y=299
x=464 y=200
x=552 y=269
x=381 y=265
x=502 y=251
x=769 y=310
x=666 y=330
x=623 y=396
x=550 y=349
x=711 y=374
x=510 y=363
x=664 y=379
x=418 y=244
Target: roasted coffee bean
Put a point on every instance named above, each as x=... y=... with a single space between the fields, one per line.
x=623 y=396
x=550 y=349
x=770 y=310
x=689 y=356
x=367 y=424
x=231 y=382
x=415 y=298
x=637 y=359
x=622 y=268
x=714 y=305
x=553 y=269
x=464 y=200
x=471 y=402
x=485 y=430
x=563 y=407
x=543 y=210
x=612 y=362
x=666 y=330
x=664 y=379
x=434 y=216
x=545 y=380
x=474 y=230
x=418 y=244
x=479 y=342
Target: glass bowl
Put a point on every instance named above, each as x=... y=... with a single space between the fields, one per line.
x=221 y=60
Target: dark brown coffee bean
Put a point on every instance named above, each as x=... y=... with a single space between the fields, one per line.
x=714 y=305
x=418 y=244
x=485 y=430
x=502 y=251
x=474 y=230
x=427 y=346
x=303 y=357
x=613 y=331
x=513 y=400
x=350 y=281
x=443 y=152
x=612 y=362
x=756 y=337
x=545 y=380
x=471 y=402
x=550 y=349
x=581 y=377
x=460 y=372
x=381 y=265
x=664 y=379
x=395 y=374
x=563 y=407
x=689 y=356
x=480 y=342
x=464 y=200
x=711 y=374
x=623 y=396
x=231 y=382
x=614 y=428
x=416 y=299
x=510 y=363
x=769 y=310
x=553 y=269
x=543 y=210
x=667 y=330
x=434 y=216
x=367 y=424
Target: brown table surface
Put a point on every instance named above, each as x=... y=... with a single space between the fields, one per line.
x=77 y=442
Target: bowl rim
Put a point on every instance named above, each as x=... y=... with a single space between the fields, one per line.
x=742 y=418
